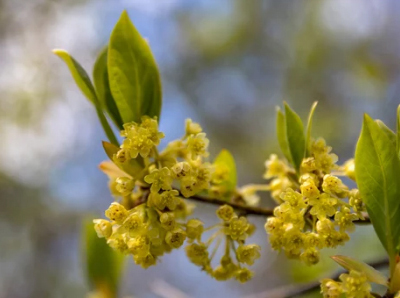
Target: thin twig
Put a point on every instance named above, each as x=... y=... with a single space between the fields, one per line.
x=245 y=210
x=291 y=291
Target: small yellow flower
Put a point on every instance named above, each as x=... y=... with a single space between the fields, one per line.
x=197 y=145
x=331 y=288
x=159 y=179
x=308 y=165
x=194 y=229
x=312 y=239
x=181 y=170
x=310 y=256
x=355 y=284
x=134 y=223
x=222 y=273
x=325 y=227
x=309 y=190
x=221 y=173
x=122 y=155
x=203 y=176
x=152 y=127
x=248 y=253
x=344 y=219
x=333 y=185
x=116 y=212
x=175 y=238
x=275 y=167
x=145 y=261
x=294 y=199
x=192 y=128
x=170 y=199
x=225 y=212
x=124 y=185
x=273 y=225
x=103 y=228
x=167 y=220
x=237 y=228
x=118 y=242
x=243 y=275
x=323 y=206
x=139 y=246
x=197 y=254
x=350 y=169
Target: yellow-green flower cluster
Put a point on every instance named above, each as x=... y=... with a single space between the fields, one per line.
x=148 y=221
x=139 y=139
x=141 y=232
x=352 y=285
x=234 y=230
x=314 y=212
x=281 y=176
x=148 y=218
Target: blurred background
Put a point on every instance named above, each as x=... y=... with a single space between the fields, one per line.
x=227 y=64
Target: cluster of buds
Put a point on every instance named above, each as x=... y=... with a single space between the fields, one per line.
x=234 y=230
x=314 y=211
x=352 y=285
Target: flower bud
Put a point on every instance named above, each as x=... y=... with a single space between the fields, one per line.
x=103 y=228
x=194 y=229
x=116 y=212
x=124 y=185
x=225 y=212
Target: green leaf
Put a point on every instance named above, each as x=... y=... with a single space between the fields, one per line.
x=101 y=82
x=227 y=162
x=295 y=136
x=398 y=131
x=390 y=133
x=309 y=127
x=372 y=274
x=377 y=175
x=133 y=73
x=80 y=76
x=103 y=265
x=281 y=134
x=132 y=167
x=85 y=85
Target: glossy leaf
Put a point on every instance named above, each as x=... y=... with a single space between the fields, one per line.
x=372 y=274
x=227 y=162
x=132 y=167
x=85 y=85
x=377 y=174
x=103 y=265
x=80 y=76
x=390 y=133
x=309 y=127
x=102 y=85
x=134 y=78
x=295 y=136
x=281 y=134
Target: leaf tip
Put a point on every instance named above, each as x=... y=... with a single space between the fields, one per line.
x=59 y=52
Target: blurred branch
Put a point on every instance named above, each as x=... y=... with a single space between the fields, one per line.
x=290 y=291
x=165 y=290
